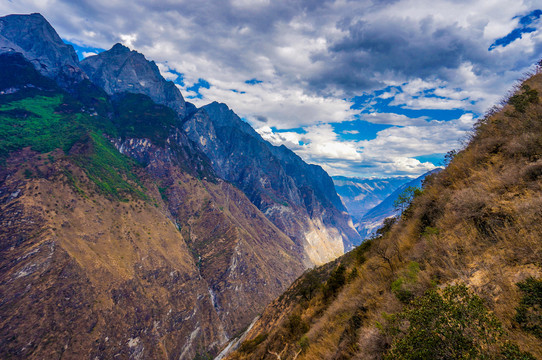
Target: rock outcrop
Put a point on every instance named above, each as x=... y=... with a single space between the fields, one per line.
x=121 y=70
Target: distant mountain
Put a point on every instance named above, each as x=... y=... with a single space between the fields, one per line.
x=132 y=227
x=374 y=218
x=361 y=195
x=120 y=70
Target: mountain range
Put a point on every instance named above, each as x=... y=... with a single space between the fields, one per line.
x=135 y=225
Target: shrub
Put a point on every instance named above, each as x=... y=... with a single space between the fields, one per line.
x=401 y=287
x=520 y=101
x=309 y=284
x=529 y=311
x=360 y=251
x=250 y=345
x=295 y=326
x=454 y=325
x=335 y=282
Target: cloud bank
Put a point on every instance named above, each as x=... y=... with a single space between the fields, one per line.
x=426 y=69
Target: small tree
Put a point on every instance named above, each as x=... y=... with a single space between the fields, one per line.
x=405 y=198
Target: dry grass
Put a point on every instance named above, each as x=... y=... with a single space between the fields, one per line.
x=478 y=222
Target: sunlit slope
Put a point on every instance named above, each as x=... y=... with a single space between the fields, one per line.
x=477 y=223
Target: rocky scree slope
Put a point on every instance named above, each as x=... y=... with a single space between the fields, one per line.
x=457 y=276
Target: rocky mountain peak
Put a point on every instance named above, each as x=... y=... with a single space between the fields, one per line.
x=121 y=70
x=33 y=37
x=118 y=48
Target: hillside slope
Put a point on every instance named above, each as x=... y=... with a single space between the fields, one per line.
x=477 y=223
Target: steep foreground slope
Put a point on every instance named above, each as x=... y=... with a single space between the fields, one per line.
x=402 y=295
x=105 y=256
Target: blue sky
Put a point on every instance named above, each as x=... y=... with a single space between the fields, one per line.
x=363 y=88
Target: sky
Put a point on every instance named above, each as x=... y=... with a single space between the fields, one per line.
x=363 y=88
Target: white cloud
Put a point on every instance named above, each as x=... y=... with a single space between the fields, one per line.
x=87 y=54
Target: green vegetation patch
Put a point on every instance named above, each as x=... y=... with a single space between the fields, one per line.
x=35 y=122
x=529 y=311
x=401 y=287
x=249 y=346
x=108 y=169
x=454 y=324
x=335 y=282
x=521 y=100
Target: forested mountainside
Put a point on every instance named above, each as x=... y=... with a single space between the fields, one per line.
x=120 y=236
x=457 y=276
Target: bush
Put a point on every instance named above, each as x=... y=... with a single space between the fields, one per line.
x=309 y=284
x=529 y=311
x=335 y=282
x=401 y=287
x=250 y=345
x=295 y=326
x=360 y=251
x=520 y=101
x=454 y=325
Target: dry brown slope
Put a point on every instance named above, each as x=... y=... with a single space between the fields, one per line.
x=478 y=222
x=83 y=275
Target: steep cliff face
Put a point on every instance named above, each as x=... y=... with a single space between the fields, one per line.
x=299 y=198
x=242 y=256
x=121 y=70
x=35 y=38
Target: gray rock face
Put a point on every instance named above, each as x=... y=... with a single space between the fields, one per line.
x=121 y=70
x=298 y=198
x=32 y=36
